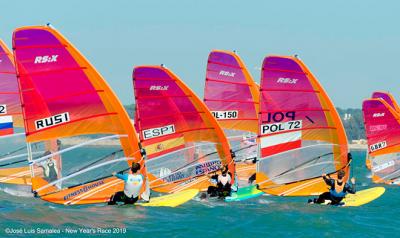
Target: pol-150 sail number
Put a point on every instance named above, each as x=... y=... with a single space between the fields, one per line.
x=225 y=114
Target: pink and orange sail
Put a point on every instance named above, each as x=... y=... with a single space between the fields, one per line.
x=13 y=154
x=232 y=96
x=10 y=107
x=388 y=97
x=182 y=139
x=382 y=127
x=300 y=132
x=66 y=99
x=230 y=92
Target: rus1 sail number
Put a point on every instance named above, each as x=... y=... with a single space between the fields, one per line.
x=52 y=121
x=225 y=114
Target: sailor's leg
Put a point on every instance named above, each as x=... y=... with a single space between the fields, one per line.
x=323 y=197
x=212 y=190
x=224 y=193
x=336 y=201
x=252 y=178
x=131 y=200
x=117 y=197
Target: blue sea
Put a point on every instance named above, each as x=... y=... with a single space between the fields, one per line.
x=266 y=216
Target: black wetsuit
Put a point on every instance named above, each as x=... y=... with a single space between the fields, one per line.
x=334 y=196
x=52 y=172
x=121 y=197
x=220 y=190
x=252 y=178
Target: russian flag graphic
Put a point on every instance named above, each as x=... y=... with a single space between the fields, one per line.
x=6 y=125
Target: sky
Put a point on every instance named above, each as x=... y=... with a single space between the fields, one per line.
x=352 y=47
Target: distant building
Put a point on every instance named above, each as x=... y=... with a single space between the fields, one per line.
x=359 y=142
x=347 y=116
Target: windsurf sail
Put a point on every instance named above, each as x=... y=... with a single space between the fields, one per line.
x=232 y=96
x=388 y=97
x=13 y=154
x=182 y=139
x=300 y=132
x=72 y=116
x=382 y=127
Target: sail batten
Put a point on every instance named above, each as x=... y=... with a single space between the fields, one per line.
x=228 y=82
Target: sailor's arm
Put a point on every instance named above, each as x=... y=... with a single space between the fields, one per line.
x=351 y=189
x=327 y=180
x=120 y=176
x=214 y=176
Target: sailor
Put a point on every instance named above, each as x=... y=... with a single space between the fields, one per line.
x=338 y=189
x=132 y=186
x=49 y=167
x=252 y=178
x=223 y=188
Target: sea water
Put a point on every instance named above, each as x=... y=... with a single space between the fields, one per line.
x=266 y=216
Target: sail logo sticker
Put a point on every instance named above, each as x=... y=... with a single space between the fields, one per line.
x=378 y=114
x=52 y=121
x=207 y=167
x=83 y=189
x=378 y=127
x=280 y=127
x=382 y=166
x=287 y=80
x=172 y=177
x=378 y=146
x=3 y=109
x=159 y=88
x=45 y=59
x=227 y=73
x=225 y=114
x=159 y=131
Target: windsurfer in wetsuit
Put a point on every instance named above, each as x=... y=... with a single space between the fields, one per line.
x=132 y=186
x=223 y=188
x=49 y=167
x=338 y=189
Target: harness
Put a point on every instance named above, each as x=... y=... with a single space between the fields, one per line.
x=338 y=190
x=224 y=179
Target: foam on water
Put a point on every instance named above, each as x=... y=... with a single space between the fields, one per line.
x=18 y=191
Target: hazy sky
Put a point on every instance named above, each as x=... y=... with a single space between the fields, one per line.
x=351 y=46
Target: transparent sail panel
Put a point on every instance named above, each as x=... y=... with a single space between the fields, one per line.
x=386 y=166
x=78 y=160
x=243 y=143
x=309 y=161
x=13 y=150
